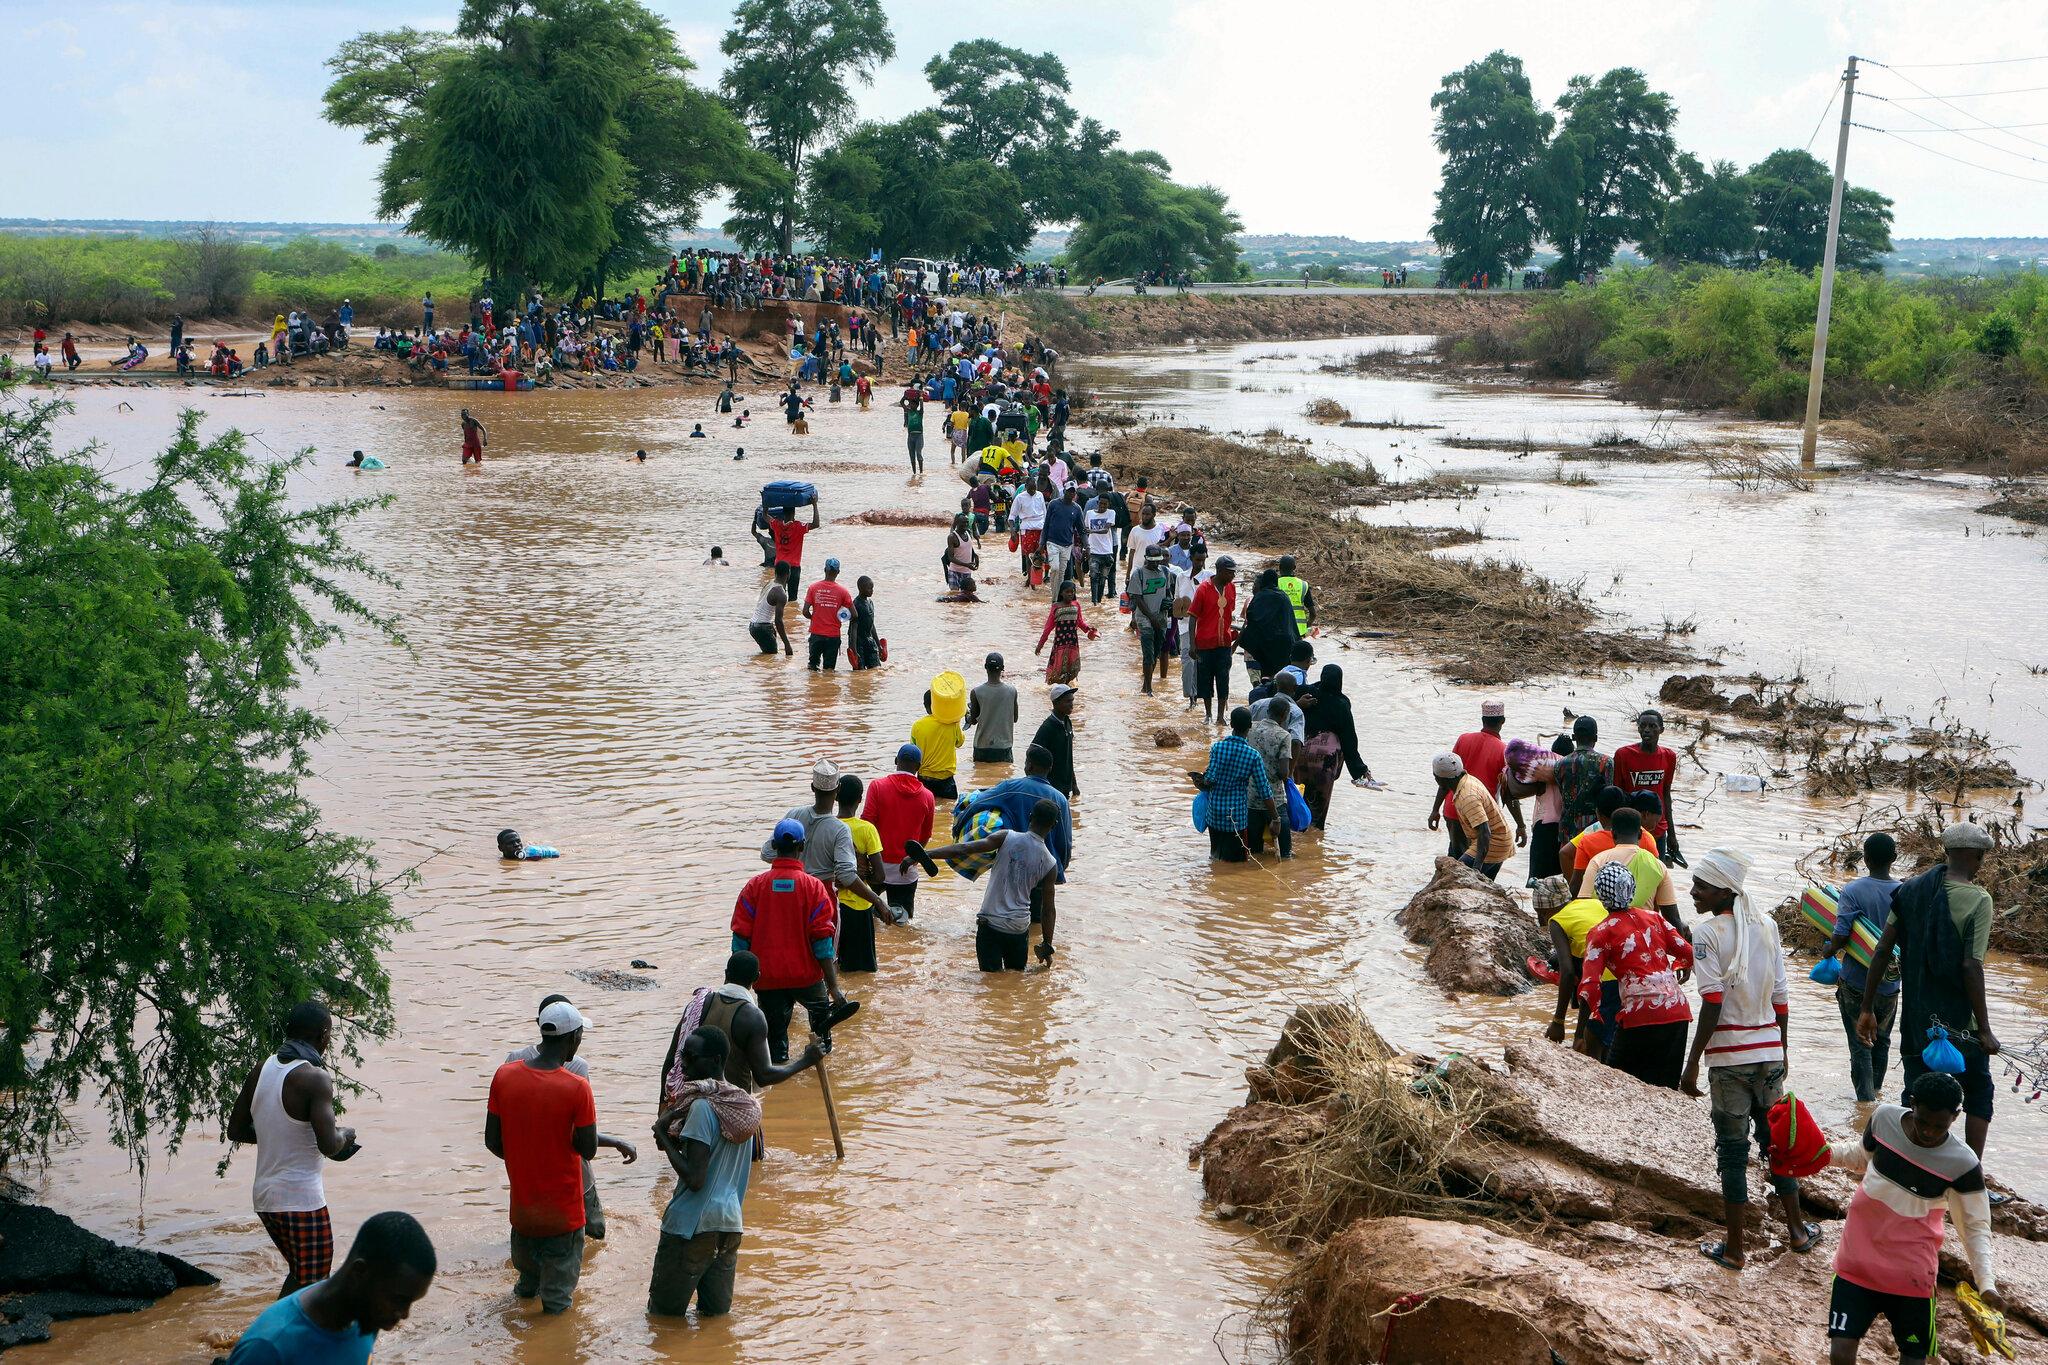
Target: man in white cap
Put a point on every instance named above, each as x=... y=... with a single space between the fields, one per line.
x=1484 y=755
x=1739 y=967
x=593 y=1206
x=1941 y=925
x=542 y=1123
x=828 y=843
x=1475 y=815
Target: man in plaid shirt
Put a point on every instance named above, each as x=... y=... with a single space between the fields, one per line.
x=1235 y=772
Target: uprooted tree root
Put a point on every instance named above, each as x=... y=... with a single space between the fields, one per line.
x=1326 y=410
x=1387 y=1146
x=1486 y=620
x=1946 y=764
x=2015 y=872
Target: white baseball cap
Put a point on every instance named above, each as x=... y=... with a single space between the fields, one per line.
x=560 y=1018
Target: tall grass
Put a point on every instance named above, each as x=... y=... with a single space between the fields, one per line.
x=131 y=280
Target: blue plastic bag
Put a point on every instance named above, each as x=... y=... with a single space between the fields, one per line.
x=1201 y=812
x=1940 y=1054
x=1298 y=814
x=1827 y=971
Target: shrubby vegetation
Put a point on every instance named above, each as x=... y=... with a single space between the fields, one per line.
x=133 y=280
x=166 y=889
x=1952 y=370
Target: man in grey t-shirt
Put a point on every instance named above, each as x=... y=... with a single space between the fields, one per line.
x=828 y=843
x=992 y=711
x=1025 y=870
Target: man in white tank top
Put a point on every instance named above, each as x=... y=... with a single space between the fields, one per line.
x=287 y=1109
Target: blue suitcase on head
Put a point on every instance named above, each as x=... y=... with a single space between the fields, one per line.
x=790 y=493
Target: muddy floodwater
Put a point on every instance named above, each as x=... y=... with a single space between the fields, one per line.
x=1016 y=1185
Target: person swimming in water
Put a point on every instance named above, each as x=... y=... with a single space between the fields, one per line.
x=697 y=432
x=514 y=849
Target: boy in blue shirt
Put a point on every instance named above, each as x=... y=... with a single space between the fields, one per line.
x=711 y=1147
x=336 y=1321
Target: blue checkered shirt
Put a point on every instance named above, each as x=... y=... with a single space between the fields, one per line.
x=1235 y=771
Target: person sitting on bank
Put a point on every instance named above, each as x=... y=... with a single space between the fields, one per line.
x=514 y=849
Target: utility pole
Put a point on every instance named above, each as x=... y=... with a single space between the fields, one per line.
x=1814 y=377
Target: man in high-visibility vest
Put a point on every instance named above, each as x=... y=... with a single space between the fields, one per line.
x=1300 y=594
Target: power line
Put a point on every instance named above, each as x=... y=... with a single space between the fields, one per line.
x=1964 y=112
x=1928 y=66
x=1937 y=127
x=1965 y=134
x=1934 y=151
x=1967 y=95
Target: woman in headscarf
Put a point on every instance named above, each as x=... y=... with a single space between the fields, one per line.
x=1269 y=630
x=1332 y=744
x=1528 y=774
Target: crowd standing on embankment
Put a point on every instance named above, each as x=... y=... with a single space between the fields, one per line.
x=842 y=872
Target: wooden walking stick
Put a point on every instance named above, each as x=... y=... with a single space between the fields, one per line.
x=831 y=1113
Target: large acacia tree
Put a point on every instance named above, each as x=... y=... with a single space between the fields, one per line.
x=554 y=142
x=1492 y=137
x=1608 y=171
x=167 y=891
x=1789 y=193
x=792 y=61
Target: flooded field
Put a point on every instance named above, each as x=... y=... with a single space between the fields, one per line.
x=1016 y=1184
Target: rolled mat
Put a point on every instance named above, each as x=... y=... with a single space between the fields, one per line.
x=1817 y=904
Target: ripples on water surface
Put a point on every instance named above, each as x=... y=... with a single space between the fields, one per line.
x=1016 y=1184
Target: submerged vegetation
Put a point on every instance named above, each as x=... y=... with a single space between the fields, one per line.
x=1483 y=620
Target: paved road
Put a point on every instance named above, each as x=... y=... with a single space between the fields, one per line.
x=1288 y=290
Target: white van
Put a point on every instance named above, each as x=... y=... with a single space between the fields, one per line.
x=910 y=265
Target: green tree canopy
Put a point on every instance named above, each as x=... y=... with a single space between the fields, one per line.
x=997 y=100
x=1138 y=220
x=896 y=187
x=1789 y=192
x=1606 y=174
x=551 y=141
x=791 y=62
x=1492 y=137
x=1710 y=221
x=166 y=890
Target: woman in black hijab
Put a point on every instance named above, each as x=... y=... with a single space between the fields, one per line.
x=1332 y=744
x=1269 y=630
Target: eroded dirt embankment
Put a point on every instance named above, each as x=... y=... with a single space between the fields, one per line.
x=1546 y=1209
x=1090 y=326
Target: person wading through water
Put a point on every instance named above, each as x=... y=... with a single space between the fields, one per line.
x=789 y=920
x=1941 y=925
x=992 y=711
x=541 y=1121
x=287 y=1109
x=1869 y=898
x=733 y=1009
x=1235 y=774
x=593 y=1206
x=1739 y=967
x=709 y=1134
x=474 y=439
x=900 y=808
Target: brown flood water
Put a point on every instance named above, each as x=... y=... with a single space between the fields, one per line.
x=1016 y=1184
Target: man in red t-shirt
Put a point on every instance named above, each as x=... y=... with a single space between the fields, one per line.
x=788 y=534
x=824 y=600
x=789 y=920
x=1213 y=609
x=900 y=807
x=1648 y=767
x=1485 y=756
x=542 y=1123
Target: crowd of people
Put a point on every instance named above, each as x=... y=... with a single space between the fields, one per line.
x=842 y=867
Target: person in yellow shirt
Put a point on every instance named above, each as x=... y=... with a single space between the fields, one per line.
x=956 y=434
x=1568 y=930
x=939 y=741
x=857 y=912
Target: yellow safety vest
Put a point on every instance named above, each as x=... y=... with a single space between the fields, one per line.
x=1297 y=593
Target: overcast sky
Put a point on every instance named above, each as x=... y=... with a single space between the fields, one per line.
x=1312 y=114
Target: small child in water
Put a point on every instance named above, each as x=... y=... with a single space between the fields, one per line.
x=640 y=456
x=718 y=558
x=744 y=417
x=512 y=848
x=697 y=432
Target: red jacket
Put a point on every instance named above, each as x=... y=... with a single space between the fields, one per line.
x=788 y=919
x=899 y=807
